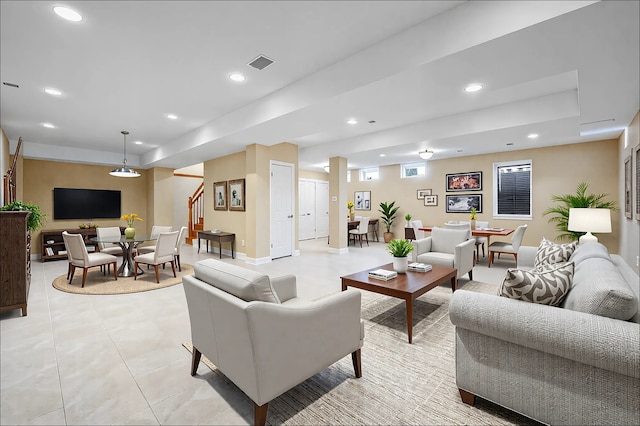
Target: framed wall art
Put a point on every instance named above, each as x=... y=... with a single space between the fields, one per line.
x=220 y=195
x=362 y=200
x=628 y=194
x=468 y=181
x=464 y=203
x=422 y=193
x=236 y=195
x=637 y=166
x=430 y=200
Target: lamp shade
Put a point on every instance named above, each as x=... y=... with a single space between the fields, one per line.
x=589 y=220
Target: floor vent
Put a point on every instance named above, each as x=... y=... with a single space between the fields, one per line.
x=261 y=62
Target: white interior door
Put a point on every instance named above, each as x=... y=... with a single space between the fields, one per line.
x=322 y=209
x=306 y=209
x=282 y=209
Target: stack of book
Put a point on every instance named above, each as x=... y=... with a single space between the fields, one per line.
x=419 y=267
x=49 y=251
x=383 y=274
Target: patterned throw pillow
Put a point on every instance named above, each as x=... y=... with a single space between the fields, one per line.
x=546 y=285
x=549 y=253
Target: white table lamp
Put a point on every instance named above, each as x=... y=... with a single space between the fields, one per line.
x=589 y=220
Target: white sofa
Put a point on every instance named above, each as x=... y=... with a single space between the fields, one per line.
x=261 y=336
x=569 y=364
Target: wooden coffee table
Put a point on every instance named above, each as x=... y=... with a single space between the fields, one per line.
x=407 y=286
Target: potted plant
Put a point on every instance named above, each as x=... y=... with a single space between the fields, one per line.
x=408 y=217
x=388 y=212
x=36 y=219
x=400 y=249
x=473 y=217
x=578 y=200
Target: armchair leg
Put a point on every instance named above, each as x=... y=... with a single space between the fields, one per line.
x=260 y=414
x=467 y=397
x=195 y=360
x=357 y=363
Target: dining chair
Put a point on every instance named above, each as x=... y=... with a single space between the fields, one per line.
x=79 y=257
x=164 y=253
x=179 y=242
x=155 y=231
x=480 y=241
x=504 y=247
x=363 y=229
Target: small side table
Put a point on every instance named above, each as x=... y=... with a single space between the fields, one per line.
x=220 y=237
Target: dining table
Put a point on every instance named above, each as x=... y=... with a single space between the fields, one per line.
x=353 y=224
x=481 y=232
x=128 y=246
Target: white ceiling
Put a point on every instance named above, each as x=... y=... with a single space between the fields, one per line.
x=547 y=68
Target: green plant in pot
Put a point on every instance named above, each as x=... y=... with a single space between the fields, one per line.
x=36 y=219
x=400 y=249
x=408 y=218
x=388 y=211
x=578 y=200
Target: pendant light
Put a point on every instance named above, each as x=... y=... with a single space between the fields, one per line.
x=124 y=171
x=425 y=155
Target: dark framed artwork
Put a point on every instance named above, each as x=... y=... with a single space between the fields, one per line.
x=422 y=193
x=637 y=164
x=468 y=181
x=430 y=200
x=362 y=200
x=464 y=203
x=220 y=195
x=236 y=195
x=628 y=194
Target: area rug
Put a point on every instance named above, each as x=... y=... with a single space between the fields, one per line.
x=401 y=383
x=97 y=283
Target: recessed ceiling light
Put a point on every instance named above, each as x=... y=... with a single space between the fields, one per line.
x=48 y=125
x=532 y=135
x=138 y=142
x=68 y=14
x=52 y=91
x=352 y=121
x=236 y=76
x=383 y=155
x=473 y=87
x=172 y=116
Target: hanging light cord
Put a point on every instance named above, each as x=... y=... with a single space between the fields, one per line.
x=125 y=133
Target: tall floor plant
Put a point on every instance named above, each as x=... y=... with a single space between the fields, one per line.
x=578 y=200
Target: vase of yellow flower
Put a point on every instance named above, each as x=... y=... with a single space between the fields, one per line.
x=473 y=216
x=350 y=208
x=130 y=231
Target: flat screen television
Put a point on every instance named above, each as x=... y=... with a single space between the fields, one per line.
x=74 y=203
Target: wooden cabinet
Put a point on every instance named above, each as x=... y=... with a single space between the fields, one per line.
x=53 y=246
x=15 y=260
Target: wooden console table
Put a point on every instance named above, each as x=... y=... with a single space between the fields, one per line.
x=220 y=237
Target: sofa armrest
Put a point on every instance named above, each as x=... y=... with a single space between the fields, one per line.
x=293 y=342
x=285 y=287
x=420 y=246
x=602 y=342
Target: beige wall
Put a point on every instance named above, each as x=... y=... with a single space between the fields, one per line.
x=556 y=170
x=40 y=177
x=629 y=245
x=5 y=162
x=160 y=186
x=308 y=174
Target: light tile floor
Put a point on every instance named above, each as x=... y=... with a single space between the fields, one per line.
x=78 y=359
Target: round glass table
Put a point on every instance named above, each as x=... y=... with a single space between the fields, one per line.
x=128 y=246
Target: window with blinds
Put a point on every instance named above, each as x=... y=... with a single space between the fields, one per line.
x=512 y=190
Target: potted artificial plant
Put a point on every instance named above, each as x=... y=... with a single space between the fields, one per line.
x=400 y=250
x=36 y=219
x=578 y=200
x=388 y=212
x=408 y=217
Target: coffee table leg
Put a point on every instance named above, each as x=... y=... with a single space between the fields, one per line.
x=409 y=303
x=454 y=284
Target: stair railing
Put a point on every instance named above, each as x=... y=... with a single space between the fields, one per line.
x=196 y=209
x=10 y=177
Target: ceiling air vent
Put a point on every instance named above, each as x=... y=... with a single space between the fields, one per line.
x=10 y=84
x=261 y=62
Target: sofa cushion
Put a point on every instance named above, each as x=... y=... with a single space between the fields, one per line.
x=445 y=240
x=244 y=283
x=549 y=252
x=599 y=289
x=588 y=251
x=546 y=285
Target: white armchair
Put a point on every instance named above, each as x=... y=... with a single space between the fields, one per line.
x=261 y=336
x=446 y=247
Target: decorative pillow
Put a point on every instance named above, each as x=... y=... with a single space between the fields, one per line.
x=548 y=252
x=546 y=285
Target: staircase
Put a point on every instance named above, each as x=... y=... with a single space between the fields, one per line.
x=196 y=214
